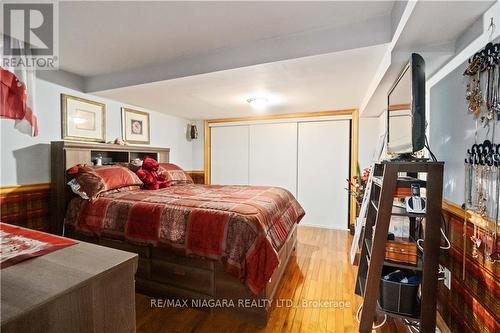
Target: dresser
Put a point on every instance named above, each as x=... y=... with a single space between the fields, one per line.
x=80 y=288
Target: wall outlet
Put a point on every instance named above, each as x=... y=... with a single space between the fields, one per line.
x=447 y=278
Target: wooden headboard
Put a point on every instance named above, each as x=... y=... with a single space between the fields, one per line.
x=65 y=154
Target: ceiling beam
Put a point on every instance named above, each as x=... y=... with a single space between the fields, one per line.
x=370 y=32
x=62 y=78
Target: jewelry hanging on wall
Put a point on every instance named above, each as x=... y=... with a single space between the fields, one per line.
x=478 y=207
x=474 y=95
x=490 y=246
x=482 y=193
x=482 y=165
x=484 y=104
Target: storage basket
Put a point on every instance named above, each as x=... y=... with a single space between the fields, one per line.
x=398 y=297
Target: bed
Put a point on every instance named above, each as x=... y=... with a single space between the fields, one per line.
x=198 y=242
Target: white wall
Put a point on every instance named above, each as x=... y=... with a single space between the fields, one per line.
x=452 y=131
x=369 y=134
x=26 y=160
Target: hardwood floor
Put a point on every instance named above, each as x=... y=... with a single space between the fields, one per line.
x=320 y=271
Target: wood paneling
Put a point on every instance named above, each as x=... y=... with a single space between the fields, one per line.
x=198 y=176
x=473 y=303
x=26 y=205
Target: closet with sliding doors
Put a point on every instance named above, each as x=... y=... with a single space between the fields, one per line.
x=310 y=157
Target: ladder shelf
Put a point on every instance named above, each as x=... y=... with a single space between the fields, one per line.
x=388 y=181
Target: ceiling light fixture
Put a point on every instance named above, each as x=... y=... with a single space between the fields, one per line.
x=258 y=103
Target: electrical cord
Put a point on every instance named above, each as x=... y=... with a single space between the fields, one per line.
x=431 y=154
x=374 y=327
x=419 y=241
x=447 y=247
x=448 y=244
x=414 y=326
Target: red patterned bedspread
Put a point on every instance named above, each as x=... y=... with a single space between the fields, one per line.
x=242 y=226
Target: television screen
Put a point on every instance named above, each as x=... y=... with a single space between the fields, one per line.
x=406 y=109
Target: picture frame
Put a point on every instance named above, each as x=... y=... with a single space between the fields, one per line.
x=82 y=119
x=135 y=126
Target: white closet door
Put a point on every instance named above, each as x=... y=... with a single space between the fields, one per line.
x=323 y=167
x=229 y=155
x=273 y=155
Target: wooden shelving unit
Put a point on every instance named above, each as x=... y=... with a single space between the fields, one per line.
x=386 y=179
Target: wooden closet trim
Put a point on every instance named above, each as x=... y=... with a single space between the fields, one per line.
x=345 y=112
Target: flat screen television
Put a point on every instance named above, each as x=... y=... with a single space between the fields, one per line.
x=406 y=109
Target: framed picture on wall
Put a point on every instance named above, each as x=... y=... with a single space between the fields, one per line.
x=135 y=126
x=83 y=119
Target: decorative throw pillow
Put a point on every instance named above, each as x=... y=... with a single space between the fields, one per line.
x=128 y=165
x=174 y=174
x=95 y=180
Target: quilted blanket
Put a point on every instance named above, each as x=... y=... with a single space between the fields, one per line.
x=243 y=227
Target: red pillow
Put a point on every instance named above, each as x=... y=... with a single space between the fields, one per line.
x=174 y=174
x=96 y=180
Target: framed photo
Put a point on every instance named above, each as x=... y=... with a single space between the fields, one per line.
x=83 y=119
x=135 y=126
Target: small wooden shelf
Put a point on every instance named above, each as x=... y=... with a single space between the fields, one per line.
x=404 y=182
x=398 y=211
x=418 y=267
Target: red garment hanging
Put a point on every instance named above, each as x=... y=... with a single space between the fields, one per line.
x=13 y=101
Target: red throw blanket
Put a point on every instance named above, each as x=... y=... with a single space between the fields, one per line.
x=242 y=226
x=18 y=244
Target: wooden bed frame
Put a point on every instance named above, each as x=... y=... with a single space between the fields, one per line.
x=161 y=273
